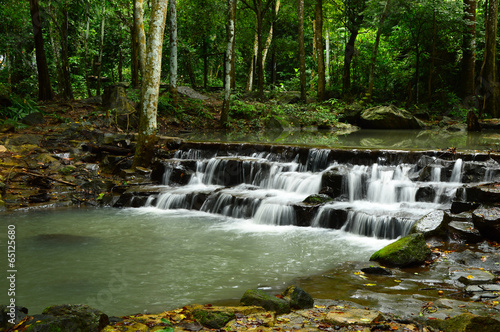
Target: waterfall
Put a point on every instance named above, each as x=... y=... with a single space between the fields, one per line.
x=381 y=198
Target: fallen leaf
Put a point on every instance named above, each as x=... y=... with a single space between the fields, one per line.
x=370 y=285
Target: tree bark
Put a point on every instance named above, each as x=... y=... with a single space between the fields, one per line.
x=151 y=86
x=173 y=51
x=101 y=48
x=249 y=86
x=319 y=48
x=488 y=78
x=469 y=50
x=302 y=53
x=87 y=60
x=141 y=36
x=44 y=87
x=228 y=61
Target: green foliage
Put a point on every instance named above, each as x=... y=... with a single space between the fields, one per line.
x=20 y=108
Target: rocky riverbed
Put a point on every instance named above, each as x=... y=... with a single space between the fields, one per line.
x=67 y=165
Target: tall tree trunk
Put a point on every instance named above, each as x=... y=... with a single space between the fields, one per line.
x=488 y=76
x=151 y=86
x=87 y=58
x=348 y=55
x=260 y=68
x=270 y=35
x=433 y=56
x=319 y=48
x=302 y=53
x=228 y=60
x=233 y=57
x=249 y=86
x=327 y=57
x=469 y=50
x=101 y=48
x=173 y=50
x=134 y=46
x=44 y=87
x=67 y=92
x=141 y=36
x=371 y=77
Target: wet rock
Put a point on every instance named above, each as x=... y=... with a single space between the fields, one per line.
x=317 y=199
x=388 y=117
x=459 y=207
x=7 y=313
x=67 y=317
x=487 y=221
x=354 y=317
x=425 y=194
x=332 y=181
x=214 y=319
x=304 y=214
x=466 y=322
x=298 y=298
x=376 y=270
x=430 y=225
x=32 y=119
x=410 y=250
x=39 y=198
x=257 y=297
x=464 y=231
x=332 y=218
x=485 y=193
x=352 y=113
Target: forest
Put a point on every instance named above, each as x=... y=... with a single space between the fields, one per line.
x=437 y=55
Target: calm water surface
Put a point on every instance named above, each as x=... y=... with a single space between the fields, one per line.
x=125 y=261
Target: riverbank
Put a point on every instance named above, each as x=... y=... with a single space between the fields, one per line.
x=73 y=164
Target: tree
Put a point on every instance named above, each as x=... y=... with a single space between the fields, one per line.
x=173 y=50
x=228 y=61
x=44 y=87
x=488 y=76
x=151 y=85
x=469 y=50
x=320 y=53
x=302 y=52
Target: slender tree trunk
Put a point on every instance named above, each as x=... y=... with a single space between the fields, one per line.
x=348 y=55
x=327 y=57
x=371 y=77
x=134 y=46
x=270 y=35
x=151 y=86
x=44 y=87
x=433 y=56
x=488 y=77
x=302 y=53
x=260 y=68
x=249 y=86
x=101 y=48
x=233 y=56
x=319 y=49
x=141 y=36
x=469 y=50
x=227 y=64
x=87 y=60
x=173 y=50
x=55 y=44
x=67 y=93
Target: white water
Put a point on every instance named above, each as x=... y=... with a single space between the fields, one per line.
x=126 y=261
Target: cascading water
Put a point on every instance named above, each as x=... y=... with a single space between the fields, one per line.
x=380 y=200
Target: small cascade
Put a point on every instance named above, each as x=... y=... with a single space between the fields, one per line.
x=370 y=195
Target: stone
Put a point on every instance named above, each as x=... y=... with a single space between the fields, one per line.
x=387 y=117
x=257 y=297
x=20 y=313
x=214 y=319
x=466 y=322
x=298 y=298
x=317 y=199
x=116 y=102
x=464 y=231
x=472 y=276
x=376 y=270
x=486 y=193
x=430 y=225
x=354 y=317
x=487 y=221
x=32 y=119
x=410 y=250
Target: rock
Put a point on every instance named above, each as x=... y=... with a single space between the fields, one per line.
x=298 y=298
x=257 y=297
x=352 y=113
x=211 y=318
x=485 y=193
x=66 y=317
x=32 y=119
x=191 y=93
x=487 y=221
x=459 y=207
x=465 y=323
x=354 y=317
x=408 y=251
x=317 y=199
x=473 y=122
x=116 y=101
x=41 y=197
x=5 y=316
x=464 y=232
x=430 y=225
x=332 y=180
x=388 y=117
x=376 y=270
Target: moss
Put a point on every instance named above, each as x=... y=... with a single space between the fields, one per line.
x=317 y=199
x=467 y=323
x=407 y=251
x=260 y=298
x=213 y=319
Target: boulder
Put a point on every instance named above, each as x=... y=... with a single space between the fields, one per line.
x=388 y=117
x=466 y=322
x=487 y=221
x=485 y=193
x=214 y=319
x=121 y=111
x=298 y=298
x=410 y=250
x=257 y=297
x=430 y=225
x=33 y=119
x=317 y=199
x=66 y=317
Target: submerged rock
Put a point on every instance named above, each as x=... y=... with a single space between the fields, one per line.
x=410 y=250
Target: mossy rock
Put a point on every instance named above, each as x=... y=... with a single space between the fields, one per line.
x=298 y=298
x=410 y=250
x=466 y=323
x=66 y=170
x=317 y=199
x=213 y=319
x=270 y=303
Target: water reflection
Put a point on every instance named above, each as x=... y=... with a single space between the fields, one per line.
x=365 y=138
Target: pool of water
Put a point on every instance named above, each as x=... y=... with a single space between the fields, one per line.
x=125 y=261
x=366 y=138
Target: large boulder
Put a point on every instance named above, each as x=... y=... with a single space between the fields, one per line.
x=431 y=225
x=388 y=117
x=257 y=297
x=410 y=250
x=121 y=111
x=487 y=221
x=298 y=298
x=466 y=322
